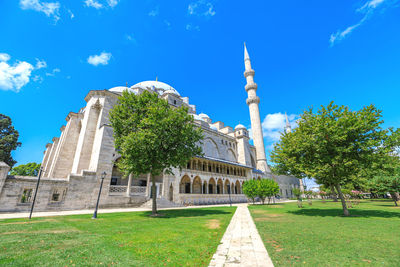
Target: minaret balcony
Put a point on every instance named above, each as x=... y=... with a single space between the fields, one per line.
x=248 y=73
x=254 y=99
x=250 y=86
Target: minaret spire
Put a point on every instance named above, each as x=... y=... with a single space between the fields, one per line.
x=288 y=128
x=246 y=54
x=252 y=101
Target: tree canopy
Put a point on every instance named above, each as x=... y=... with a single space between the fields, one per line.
x=153 y=137
x=8 y=140
x=335 y=146
x=388 y=184
x=29 y=169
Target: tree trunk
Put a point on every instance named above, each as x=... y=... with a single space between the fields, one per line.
x=153 y=195
x=394 y=197
x=334 y=194
x=345 y=210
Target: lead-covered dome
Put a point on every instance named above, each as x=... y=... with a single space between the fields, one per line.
x=156 y=86
x=120 y=89
x=240 y=126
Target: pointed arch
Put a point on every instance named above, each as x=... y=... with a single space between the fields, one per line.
x=210 y=148
x=232 y=155
x=211 y=186
x=184 y=186
x=196 y=185
x=220 y=186
x=227 y=186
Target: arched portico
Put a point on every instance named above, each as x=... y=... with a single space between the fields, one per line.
x=211 y=186
x=184 y=186
x=220 y=186
x=196 y=185
x=237 y=187
x=227 y=187
x=205 y=191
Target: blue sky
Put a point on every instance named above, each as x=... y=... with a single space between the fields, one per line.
x=305 y=53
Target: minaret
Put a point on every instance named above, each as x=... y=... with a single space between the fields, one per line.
x=288 y=128
x=252 y=101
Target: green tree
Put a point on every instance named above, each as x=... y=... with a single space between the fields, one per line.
x=250 y=189
x=334 y=145
x=8 y=140
x=267 y=188
x=298 y=194
x=152 y=137
x=391 y=184
x=29 y=169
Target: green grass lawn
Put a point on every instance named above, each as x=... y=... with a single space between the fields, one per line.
x=319 y=235
x=182 y=238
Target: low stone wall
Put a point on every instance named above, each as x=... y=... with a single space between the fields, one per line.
x=74 y=193
x=210 y=199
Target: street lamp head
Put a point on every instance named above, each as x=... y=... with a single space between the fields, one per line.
x=103 y=175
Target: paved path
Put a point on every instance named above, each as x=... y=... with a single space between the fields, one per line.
x=15 y=215
x=241 y=244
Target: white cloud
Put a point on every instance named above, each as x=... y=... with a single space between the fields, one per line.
x=101 y=4
x=40 y=64
x=131 y=38
x=101 y=59
x=71 y=15
x=112 y=3
x=53 y=72
x=191 y=27
x=51 y=9
x=37 y=78
x=201 y=8
x=368 y=9
x=4 y=57
x=93 y=3
x=154 y=12
x=273 y=126
x=14 y=77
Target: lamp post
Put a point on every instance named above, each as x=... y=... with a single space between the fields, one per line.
x=103 y=175
x=229 y=192
x=37 y=187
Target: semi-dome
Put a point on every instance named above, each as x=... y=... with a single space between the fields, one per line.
x=156 y=86
x=240 y=126
x=202 y=115
x=120 y=89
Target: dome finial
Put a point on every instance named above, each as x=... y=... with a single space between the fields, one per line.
x=156 y=78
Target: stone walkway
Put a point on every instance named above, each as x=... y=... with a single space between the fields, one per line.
x=241 y=244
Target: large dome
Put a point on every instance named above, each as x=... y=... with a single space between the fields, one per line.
x=120 y=89
x=156 y=86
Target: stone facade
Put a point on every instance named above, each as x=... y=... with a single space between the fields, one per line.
x=73 y=163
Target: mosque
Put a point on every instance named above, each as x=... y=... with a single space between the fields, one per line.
x=73 y=163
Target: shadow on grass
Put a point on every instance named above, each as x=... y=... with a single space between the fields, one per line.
x=339 y=213
x=167 y=214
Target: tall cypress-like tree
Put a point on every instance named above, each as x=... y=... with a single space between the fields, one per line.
x=153 y=137
x=8 y=140
x=335 y=146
